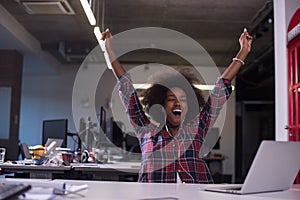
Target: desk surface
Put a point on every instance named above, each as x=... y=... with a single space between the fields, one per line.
x=129 y=167
x=86 y=171
x=126 y=167
x=157 y=191
x=34 y=167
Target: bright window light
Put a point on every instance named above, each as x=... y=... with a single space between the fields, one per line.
x=205 y=87
x=88 y=11
x=142 y=86
x=201 y=87
x=208 y=87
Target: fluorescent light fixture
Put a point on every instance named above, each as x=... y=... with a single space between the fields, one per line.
x=106 y=57
x=201 y=87
x=207 y=87
x=98 y=35
x=88 y=11
x=142 y=86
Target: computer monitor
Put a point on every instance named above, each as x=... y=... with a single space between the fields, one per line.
x=117 y=134
x=56 y=128
x=102 y=119
x=109 y=129
x=114 y=132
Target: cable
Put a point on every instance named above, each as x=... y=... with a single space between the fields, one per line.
x=180 y=162
x=178 y=158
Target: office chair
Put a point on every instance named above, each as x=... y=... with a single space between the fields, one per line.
x=132 y=143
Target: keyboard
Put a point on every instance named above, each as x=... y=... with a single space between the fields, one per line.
x=8 y=190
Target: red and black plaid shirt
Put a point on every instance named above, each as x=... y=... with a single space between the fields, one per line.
x=163 y=156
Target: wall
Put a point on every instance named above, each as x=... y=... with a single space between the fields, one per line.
x=283 y=12
x=44 y=97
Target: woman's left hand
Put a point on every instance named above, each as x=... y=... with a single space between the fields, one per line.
x=245 y=41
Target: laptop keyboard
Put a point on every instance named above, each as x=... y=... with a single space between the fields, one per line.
x=8 y=191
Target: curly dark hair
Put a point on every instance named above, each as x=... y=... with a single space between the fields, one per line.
x=162 y=82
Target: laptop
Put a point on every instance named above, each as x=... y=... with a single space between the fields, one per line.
x=274 y=168
x=26 y=155
x=25 y=151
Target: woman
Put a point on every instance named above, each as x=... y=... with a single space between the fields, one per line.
x=171 y=153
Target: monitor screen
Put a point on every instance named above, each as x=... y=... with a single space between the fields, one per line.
x=103 y=119
x=56 y=128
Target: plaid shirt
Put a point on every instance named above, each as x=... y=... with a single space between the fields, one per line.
x=163 y=155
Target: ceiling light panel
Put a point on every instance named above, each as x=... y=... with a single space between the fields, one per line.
x=58 y=7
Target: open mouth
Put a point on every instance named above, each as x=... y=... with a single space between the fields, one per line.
x=177 y=112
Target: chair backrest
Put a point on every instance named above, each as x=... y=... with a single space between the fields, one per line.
x=132 y=143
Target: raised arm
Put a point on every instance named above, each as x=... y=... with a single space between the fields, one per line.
x=117 y=67
x=128 y=95
x=245 y=41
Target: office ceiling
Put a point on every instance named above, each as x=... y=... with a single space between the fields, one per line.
x=215 y=24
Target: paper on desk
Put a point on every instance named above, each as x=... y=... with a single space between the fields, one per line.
x=76 y=188
x=39 y=194
x=39 y=183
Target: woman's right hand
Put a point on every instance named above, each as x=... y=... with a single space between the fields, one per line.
x=117 y=67
x=106 y=36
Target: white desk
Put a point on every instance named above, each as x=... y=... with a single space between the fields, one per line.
x=126 y=167
x=157 y=191
x=108 y=172
x=143 y=191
